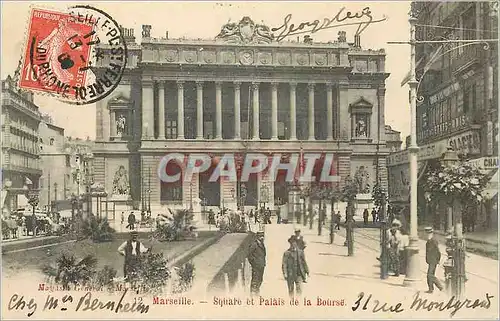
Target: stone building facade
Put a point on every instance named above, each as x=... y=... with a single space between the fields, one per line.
x=242 y=92
x=458 y=101
x=21 y=169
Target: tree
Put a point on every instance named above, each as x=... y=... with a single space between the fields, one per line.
x=349 y=192
x=177 y=228
x=97 y=229
x=463 y=182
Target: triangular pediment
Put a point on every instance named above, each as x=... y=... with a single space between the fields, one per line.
x=361 y=103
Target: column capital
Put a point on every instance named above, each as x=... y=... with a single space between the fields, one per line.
x=199 y=84
x=160 y=82
x=381 y=91
x=147 y=82
x=237 y=84
x=255 y=85
x=218 y=84
x=274 y=84
x=310 y=86
x=293 y=85
x=180 y=84
x=329 y=85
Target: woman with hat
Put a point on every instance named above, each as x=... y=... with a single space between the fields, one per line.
x=394 y=244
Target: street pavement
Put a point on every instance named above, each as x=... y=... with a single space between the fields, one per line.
x=336 y=276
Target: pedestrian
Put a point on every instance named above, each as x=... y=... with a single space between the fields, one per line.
x=131 y=221
x=299 y=239
x=132 y=250
x=374 y=215
x=432 y=258
x=211 y=217
x=278 y=214
x=158 y=221
x=295 y=269
x=338 y=218
x=394 y=244
x=122 y=218
x=403 y=257
x=365 y=216
x=268 y=216
x=257 y=259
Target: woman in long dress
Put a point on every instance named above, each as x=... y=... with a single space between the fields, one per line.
x=394 y=244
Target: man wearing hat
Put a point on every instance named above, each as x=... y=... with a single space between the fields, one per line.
x=432 y=257
x=257 y=259
x=301 y=244
x=131 y=250
x=294 y=266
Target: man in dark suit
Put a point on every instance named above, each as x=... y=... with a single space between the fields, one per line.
x=301 y=244
x=295 y=269
x=432 y=257
x=257 y=259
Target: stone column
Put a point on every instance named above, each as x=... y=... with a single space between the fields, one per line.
x=381 y=114
x=180 y=110
x=147 y=110
x=199 y=110
x=274 y=111
x=310 y=111
x=293 y=111
x=343 y=122
x=112 y=128
x=161 y=110
x=256 y=131
x=218 y=110
x=329 y=111
x=237 y=110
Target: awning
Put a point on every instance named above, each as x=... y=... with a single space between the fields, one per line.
x=491 y=189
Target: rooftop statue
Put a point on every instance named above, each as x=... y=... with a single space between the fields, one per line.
x=245 y=32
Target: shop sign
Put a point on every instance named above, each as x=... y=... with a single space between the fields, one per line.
x=485 y=163
x=425 y=152
x=444 y=93
x=466 y=143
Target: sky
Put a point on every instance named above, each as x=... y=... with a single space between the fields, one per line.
x=192 y=19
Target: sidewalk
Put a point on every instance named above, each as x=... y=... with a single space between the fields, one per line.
x=334 y=275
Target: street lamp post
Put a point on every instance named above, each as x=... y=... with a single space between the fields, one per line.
x=413 y=269
x=454 y=266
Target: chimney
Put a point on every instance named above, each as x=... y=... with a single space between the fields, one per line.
x=128 y=34
x=166 y=35
x=357 y=41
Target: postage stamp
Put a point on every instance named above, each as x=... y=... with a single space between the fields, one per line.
x=78 y=56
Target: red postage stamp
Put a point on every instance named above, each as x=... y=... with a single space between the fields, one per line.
x=57 y=52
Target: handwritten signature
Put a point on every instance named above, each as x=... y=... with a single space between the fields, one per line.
x=85 y=303
x=342 y=18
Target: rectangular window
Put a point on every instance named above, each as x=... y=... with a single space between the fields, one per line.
x=281 y=130
x=209 y=130
x=171 y=129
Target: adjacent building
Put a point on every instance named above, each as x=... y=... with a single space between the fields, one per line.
x=241 y=92
x=56 y=182
x=458 y=96
x=21 y=169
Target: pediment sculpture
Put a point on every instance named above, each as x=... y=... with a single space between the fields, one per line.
x=245 y=32
x=121 y=184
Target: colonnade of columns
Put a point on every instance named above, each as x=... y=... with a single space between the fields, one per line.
x=148 y=119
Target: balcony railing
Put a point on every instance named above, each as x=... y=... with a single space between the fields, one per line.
x=467 y=58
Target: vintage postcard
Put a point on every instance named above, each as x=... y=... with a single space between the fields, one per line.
x=249 y=160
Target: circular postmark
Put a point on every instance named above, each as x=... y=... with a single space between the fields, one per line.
x=79 y=56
